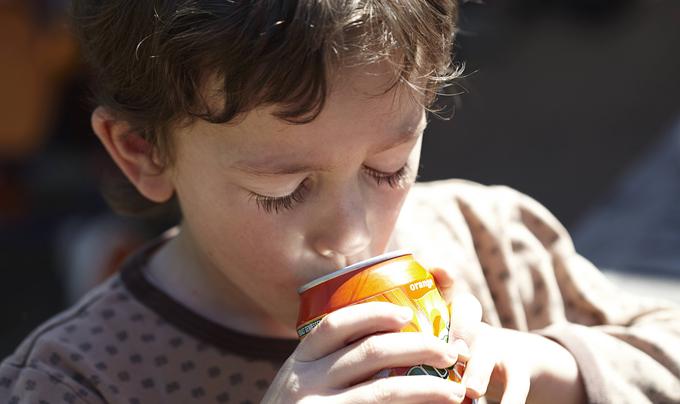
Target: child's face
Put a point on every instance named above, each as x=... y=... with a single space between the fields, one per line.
x=274 y=205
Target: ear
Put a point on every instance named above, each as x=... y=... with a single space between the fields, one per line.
x=134 y=155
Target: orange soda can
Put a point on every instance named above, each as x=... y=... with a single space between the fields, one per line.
x=393 y=277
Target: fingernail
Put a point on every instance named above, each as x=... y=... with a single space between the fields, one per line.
x=453 y=352
x=458 y=350
x=405 y=313
x=458 y=391
x=473 y=384
x=462 y=348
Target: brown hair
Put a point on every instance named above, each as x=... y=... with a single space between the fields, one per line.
x=152 y=59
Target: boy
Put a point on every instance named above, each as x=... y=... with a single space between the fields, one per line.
x=288 y=132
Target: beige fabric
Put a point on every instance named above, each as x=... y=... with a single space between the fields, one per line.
x=503 y=247
x=519 y=261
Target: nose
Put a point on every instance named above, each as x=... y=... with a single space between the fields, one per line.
x=342 y=230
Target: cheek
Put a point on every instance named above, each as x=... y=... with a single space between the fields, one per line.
x=256 y=259
x=264 y=242
x=392 y=201
x=228 y=227
x=384 y=216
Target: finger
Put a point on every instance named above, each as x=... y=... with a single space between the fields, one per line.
x=348 y=324
x=445 y=282
x=479 y=368
x=466 y=317
x=443 y=277
x=364 y=358
x=405 y=389
x=516 y=387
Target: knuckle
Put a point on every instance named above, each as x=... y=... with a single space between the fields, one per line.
x=329 y=324
x=424 y=340
x=484 y=330
x=442 y=396
x=433 y=348
x=381 y=393
x=437 y=391
x=475 y=304
x=478 y=391
x=370 y=349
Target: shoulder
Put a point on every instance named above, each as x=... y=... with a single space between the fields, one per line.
x=53 y=362
x=460 y=214
x=491 y=204
x=459 y=190
x=61 y=330
x=36 y=384
x=459 y=201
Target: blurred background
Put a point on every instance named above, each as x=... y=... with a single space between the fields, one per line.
x=574 y=102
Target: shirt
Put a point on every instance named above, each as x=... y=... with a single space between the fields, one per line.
x=129 y=342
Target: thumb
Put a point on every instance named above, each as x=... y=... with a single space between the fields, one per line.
x=466 y=317
x=445 y=282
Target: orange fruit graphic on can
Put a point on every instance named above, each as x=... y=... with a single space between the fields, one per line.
x=393 y=277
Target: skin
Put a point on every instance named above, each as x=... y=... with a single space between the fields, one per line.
x=239 y=262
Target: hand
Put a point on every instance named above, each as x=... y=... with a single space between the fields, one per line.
x=336 y=361
x=498 y=364
x=507 y=365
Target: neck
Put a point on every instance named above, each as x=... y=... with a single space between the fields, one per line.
x=179 y=270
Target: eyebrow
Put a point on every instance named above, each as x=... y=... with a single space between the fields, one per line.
x=268 y=167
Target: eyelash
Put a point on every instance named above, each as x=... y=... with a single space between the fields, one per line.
x=271 y=204
x=275 y=204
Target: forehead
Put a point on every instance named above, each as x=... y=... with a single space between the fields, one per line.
x=362 y=104
x=355 y=102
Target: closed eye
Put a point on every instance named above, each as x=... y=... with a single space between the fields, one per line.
x=277 y=204
x=394 y=180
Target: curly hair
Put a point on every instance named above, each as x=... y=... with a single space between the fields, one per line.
x=151 y=60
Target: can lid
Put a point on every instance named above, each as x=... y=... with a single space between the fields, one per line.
x=353 y=267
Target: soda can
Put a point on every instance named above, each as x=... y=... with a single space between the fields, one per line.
x=394 y=277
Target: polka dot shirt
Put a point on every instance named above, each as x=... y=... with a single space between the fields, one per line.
x=128 y=342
